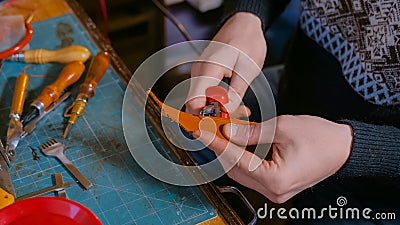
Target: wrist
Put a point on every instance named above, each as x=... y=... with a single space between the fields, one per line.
x=346 y=132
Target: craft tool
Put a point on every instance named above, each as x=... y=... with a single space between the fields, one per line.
x=15 y=127
x=56 y=149
x=50 y=96
x=216 y=97
x=64 y=55
x=191 y=123
x=87 y=89
x=59 y=186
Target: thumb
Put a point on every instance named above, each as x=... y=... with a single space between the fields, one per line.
x=258 y=133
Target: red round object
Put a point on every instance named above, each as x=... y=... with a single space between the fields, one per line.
x=49 y=211
x=217 y=93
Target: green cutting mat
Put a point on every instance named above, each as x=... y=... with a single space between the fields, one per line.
x=123 y=193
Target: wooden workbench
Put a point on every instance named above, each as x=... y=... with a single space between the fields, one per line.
x=45 y=9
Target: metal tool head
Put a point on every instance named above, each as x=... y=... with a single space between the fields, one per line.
x=30 y=126
x=212 y=109
x=52 y=147
x=4 y=154
x=5 y=178
x=14 y=133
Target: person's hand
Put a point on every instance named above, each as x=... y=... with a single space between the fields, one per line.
x=241 y=63
x=306 y=150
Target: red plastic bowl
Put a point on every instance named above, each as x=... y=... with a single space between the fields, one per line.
x=49 y=211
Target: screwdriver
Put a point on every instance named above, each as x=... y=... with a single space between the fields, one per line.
x=15 y=127
x=64 y=55
x=97 y=68
x=51 y=93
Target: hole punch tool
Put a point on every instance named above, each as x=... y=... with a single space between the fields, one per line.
x=56 y=149
x=216 y=97
x=50 y=96
x=15 y=127
x=45 y=103
x=87 y=89
x=190 y=122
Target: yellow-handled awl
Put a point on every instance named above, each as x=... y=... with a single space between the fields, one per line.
x=64 y=55
x=96 y=71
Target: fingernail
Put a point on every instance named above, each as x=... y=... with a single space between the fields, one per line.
x=232 y=129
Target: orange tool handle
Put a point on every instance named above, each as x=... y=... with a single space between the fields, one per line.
x=64 y=55
x=69 y=75
x=96 y=71
x=21 y=87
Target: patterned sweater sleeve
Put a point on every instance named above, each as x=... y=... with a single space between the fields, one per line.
x=375 y=151
x=266 y=10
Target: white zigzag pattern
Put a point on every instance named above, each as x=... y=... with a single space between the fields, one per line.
x=353 y=71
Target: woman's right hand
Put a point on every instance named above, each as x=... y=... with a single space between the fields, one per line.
x=240 y=57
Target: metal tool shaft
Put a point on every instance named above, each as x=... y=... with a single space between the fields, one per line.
x=77 y=174
x=97 y=69
x=60 y=186
x=5 y=178
x=56 y=149
x=51 y=93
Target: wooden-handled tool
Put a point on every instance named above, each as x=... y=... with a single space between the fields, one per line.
x=95 y=73
x=15 y=127
x=69 y=75
x=51 y=93
x=20 y=90
x=64 y=55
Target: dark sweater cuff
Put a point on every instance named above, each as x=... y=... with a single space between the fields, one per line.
x=256 y=7
x=375 y=151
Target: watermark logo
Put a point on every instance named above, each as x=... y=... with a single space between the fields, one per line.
x=330 y=212
x=341 y=201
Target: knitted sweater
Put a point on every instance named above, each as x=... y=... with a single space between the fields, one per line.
x=344 y=65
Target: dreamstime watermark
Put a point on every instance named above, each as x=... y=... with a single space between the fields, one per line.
x=330 y=212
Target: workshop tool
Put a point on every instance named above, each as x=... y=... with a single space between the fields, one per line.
x=59 y=186
x=56 y=149
x=64 y=55
x=191 y=123
x=47 y=100
x=15 y=128
x=7 y=192
x=87 y=89
x=216 y=97
x=59 y=180
x=29 y=127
